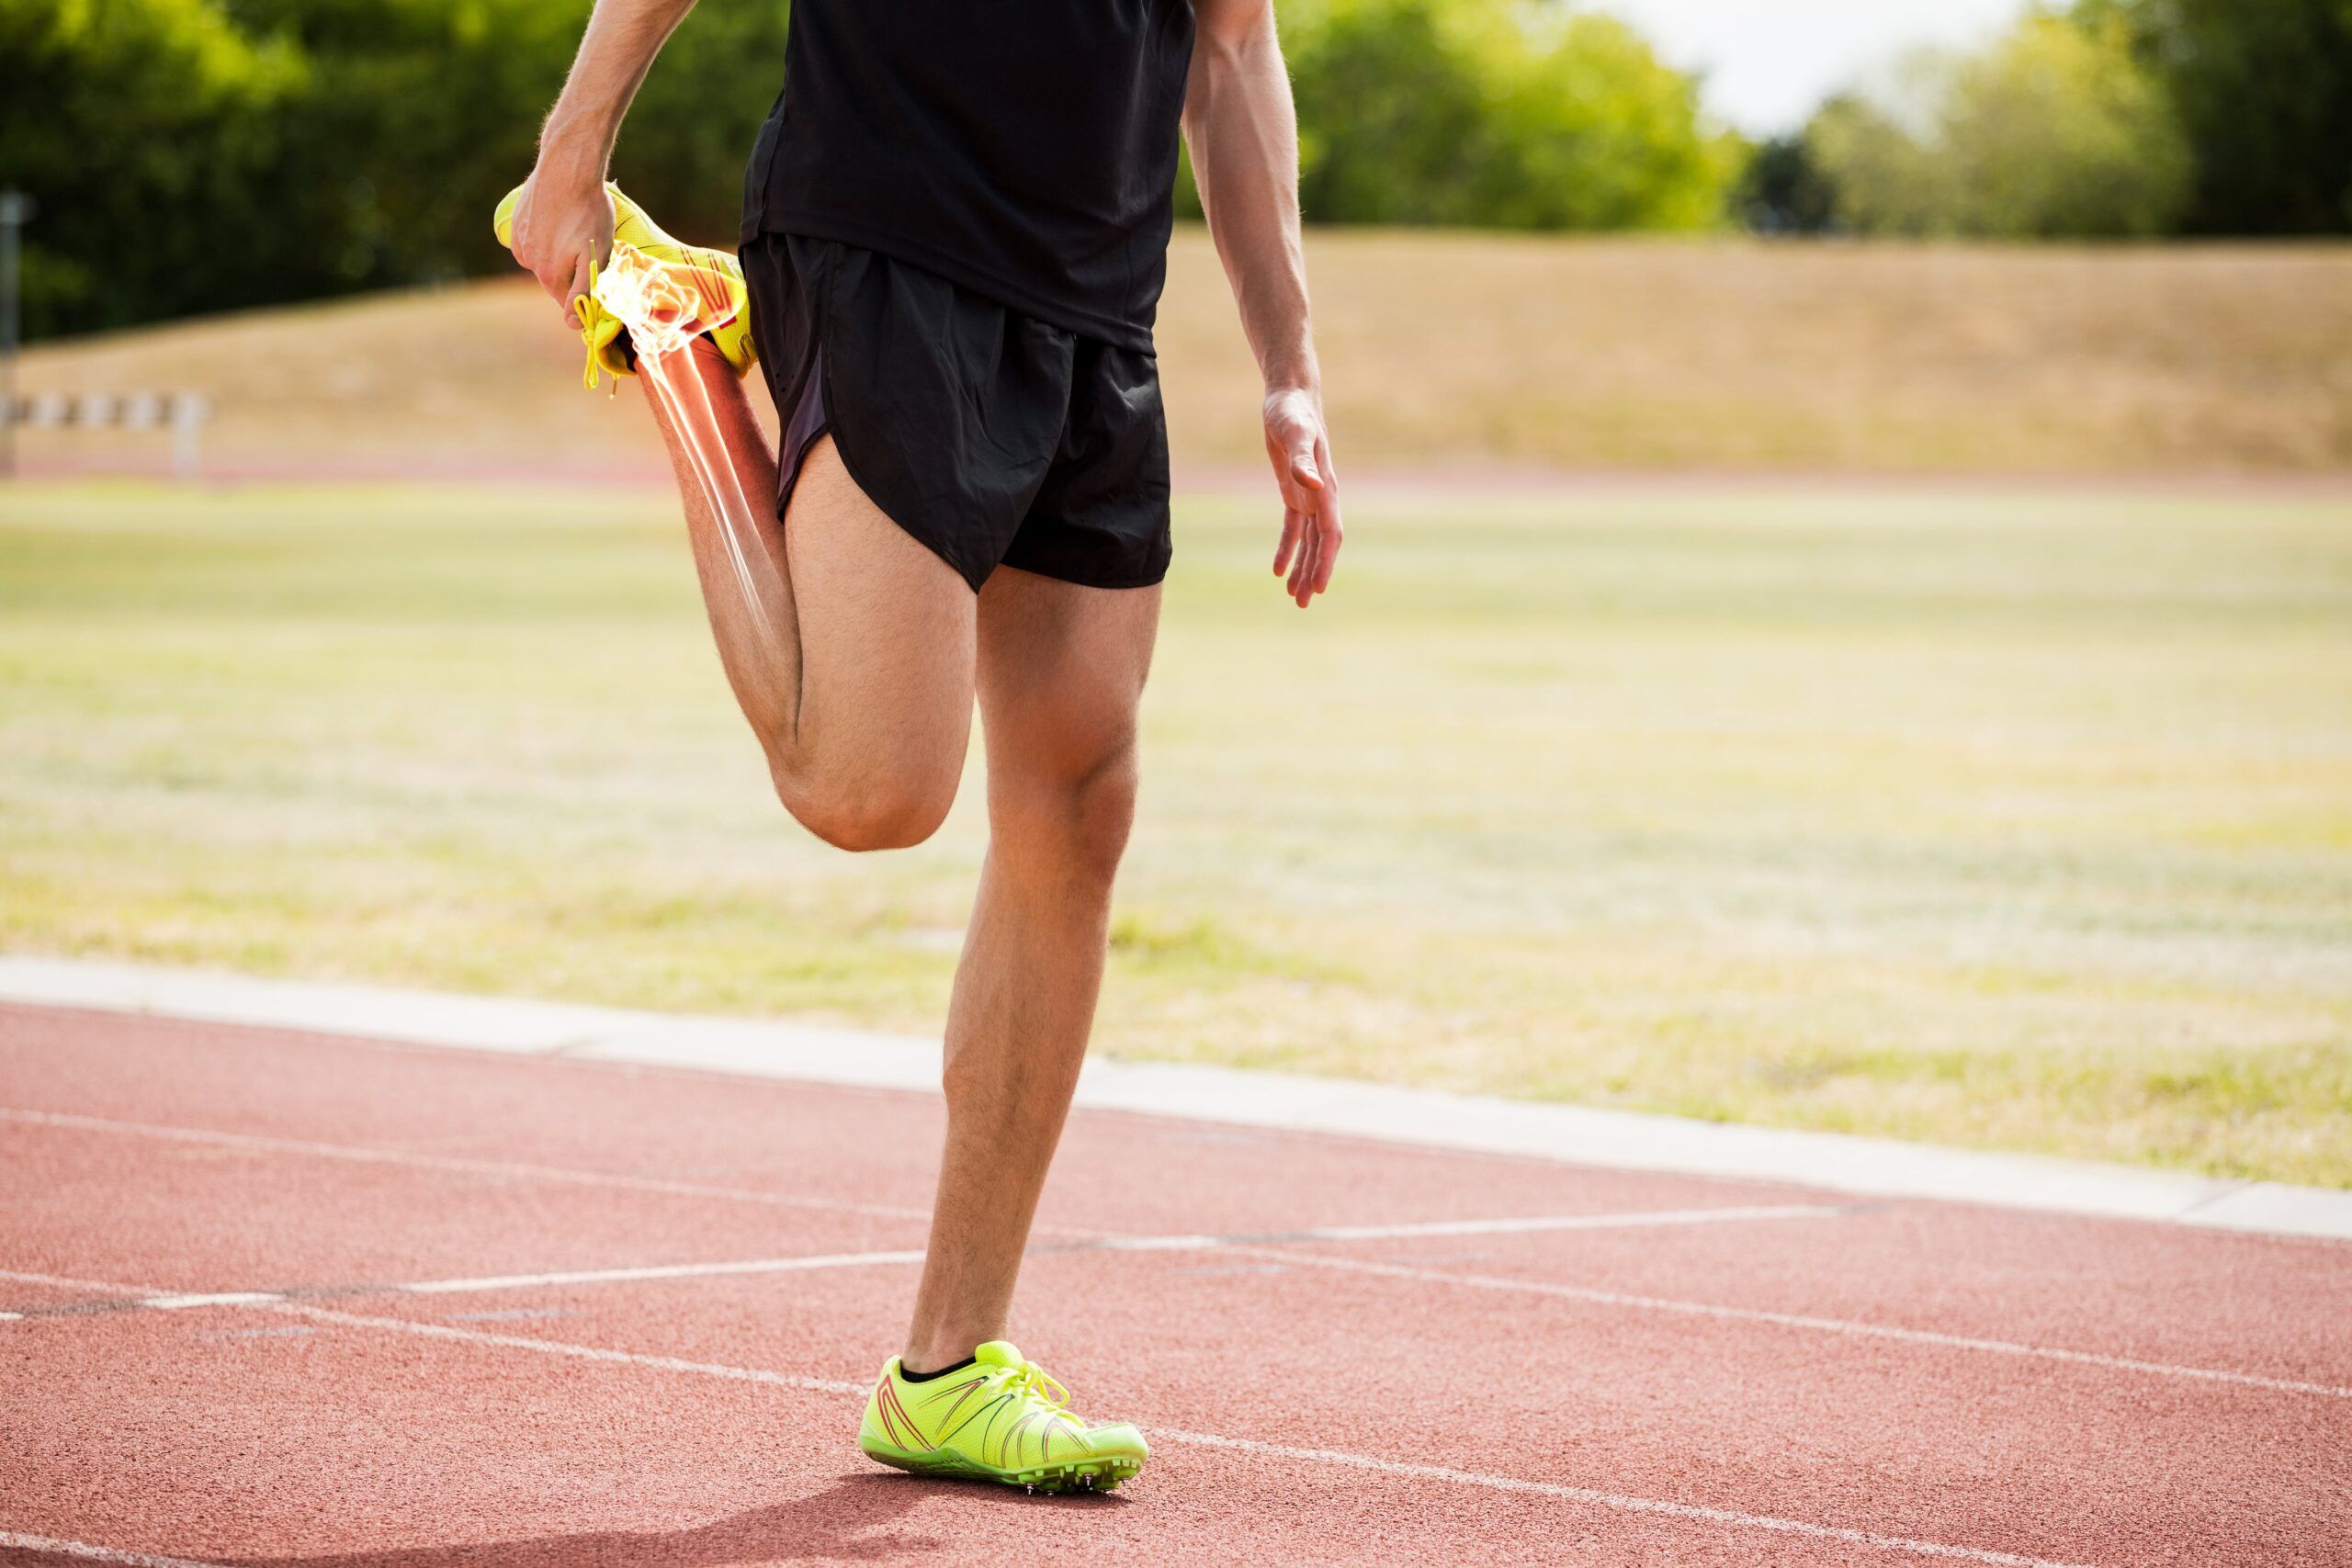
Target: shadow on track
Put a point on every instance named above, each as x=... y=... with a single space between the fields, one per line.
x=850 y=1522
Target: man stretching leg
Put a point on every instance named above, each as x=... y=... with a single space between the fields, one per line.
x=953 y=243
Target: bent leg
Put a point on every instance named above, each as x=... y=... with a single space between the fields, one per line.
x=849 y=646
x=1061 y=673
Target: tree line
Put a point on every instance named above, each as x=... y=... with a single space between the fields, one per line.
x=2103 y=119
x=192 y=155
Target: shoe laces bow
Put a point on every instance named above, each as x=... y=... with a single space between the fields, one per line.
x=1035 y=1381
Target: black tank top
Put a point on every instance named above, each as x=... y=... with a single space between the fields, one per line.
x=1024 y=149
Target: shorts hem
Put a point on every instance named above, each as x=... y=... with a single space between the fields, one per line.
x=1151 y=578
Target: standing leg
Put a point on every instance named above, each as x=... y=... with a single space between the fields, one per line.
x=1061 y=672
x=852 y=655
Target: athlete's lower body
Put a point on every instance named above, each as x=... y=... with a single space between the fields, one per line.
x=855 y=645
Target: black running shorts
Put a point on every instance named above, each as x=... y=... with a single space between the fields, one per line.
x=992 y=437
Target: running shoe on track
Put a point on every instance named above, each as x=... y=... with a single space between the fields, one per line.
x=715 y=274
x=1001 y=1418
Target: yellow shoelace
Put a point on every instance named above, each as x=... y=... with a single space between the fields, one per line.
x=1034 y=1381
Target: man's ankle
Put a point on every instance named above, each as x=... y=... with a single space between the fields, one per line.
x=921 y=1370
x=926 y=1356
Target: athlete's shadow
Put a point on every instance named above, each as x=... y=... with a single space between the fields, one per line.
x=850 y=1522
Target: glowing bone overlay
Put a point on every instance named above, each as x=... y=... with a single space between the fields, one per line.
x=665 y=310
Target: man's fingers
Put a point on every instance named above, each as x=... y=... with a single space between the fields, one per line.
x=1310 y=539
x=1326 y=552
x=1334 y=532
x=578 y=285
x=1288 y=542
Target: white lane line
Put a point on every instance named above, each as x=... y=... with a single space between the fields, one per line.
x=1797 y=1320
x=1189 y=1242
x=1617 y=1500
x=1694 y=1512
x=1249 y=1246
x=360 y=1153
x=168 y=1300
x=217 y=1299
x=1636 y=1219
x=1533 y=1224
x=576 y=1352
x=13 y=1541
x=658 y=1271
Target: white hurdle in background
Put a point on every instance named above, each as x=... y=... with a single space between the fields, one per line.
x=183 y=414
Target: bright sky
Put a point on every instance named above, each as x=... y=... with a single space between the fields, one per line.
x=1769 y=63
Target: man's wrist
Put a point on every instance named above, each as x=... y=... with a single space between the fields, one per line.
x=1288 y=362
x=1296 y=376
x=1307 y=386
x=568 y=157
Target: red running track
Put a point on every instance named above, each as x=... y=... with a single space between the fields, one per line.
x=653 y=1297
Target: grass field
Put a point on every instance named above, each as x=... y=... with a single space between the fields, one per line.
x=1459 y=351
x=2016 y=819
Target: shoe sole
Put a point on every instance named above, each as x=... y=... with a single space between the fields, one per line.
x=1069 y=1475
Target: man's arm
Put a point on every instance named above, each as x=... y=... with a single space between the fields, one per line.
x=564 y=221
x=1244 y=136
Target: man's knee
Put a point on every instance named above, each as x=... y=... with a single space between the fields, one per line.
x=1077 y=815
x=866 y=813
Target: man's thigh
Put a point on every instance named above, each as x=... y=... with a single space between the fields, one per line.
x=1060 y=677
x=887 y=638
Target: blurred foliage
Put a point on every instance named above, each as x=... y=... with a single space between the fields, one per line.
x=2263 y=89
x=2057 y=131
x=1785 y=190
x=146 y=130
x=1498 y=114
x=204 y=154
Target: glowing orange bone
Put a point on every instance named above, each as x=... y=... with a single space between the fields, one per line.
x=665 y=312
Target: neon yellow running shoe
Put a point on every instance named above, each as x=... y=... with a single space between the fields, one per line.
x=716 y=276
x=1000 y=1419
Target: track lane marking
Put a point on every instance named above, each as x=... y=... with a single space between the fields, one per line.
x=1533 y=1223
x=360 y=1153
x=171 y=1300
x=13 y=1541
x=1847 y=1326
x=660 y=1271
x=129 y=1298
x=218 y=1298
x=576 y=1352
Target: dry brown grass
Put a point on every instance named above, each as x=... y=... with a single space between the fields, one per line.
x=1448 y=349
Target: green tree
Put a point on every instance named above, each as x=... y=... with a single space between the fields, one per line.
x=147 y=130
x=1783 y=190
x=2057 y=131
x=417 y=114
x=2264 y=92
x=1495 y=114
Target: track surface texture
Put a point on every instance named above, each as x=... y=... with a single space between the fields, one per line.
x=276 y=1298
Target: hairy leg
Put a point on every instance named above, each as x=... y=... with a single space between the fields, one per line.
x=850 y=650
x=1061 y=672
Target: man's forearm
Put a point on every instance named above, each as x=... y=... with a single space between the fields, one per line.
x=1243 y=132
x=616 y=52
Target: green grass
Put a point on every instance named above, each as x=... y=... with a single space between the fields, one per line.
x=2005 y=819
